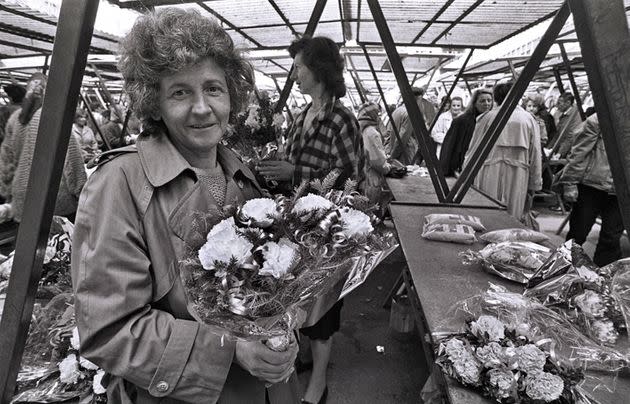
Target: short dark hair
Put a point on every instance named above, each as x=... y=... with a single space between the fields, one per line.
x=501 y=91
x=417 y=91
x=15 y=92
x=568 y=97
x=321 y=55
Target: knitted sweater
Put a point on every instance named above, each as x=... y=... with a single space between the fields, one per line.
x=72 y=180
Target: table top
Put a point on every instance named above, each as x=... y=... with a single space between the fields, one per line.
x=441 y=280
x=414 y=188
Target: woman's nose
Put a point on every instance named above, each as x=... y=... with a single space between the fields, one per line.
x=200 y=104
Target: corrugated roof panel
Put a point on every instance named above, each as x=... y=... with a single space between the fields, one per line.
x=271 y=37
x=512 y=11
x=246 y=13
x=300 y=11
x=473 y=35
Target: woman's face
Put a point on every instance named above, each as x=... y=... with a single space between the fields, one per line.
x=195 y=106
x=456 y=107
x=531 y=107
x=303 y=76
x=483 y=103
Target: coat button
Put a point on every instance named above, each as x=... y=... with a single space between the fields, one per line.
x=162 y=387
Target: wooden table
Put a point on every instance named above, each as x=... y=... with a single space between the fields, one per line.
x=414 y=188
x=436 y=279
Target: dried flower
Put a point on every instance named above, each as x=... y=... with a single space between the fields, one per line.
x=468 y=368
x=355 y=223
x=97 y=386
x=69 y=370
x=604 y=331
x=503 y=381
x=490 y=355
x=590 y=303
x=488 y=327
x=310 y=203
x=278 y=120
x=279 y=258
x=544 y=386
x=252 y=117
x=530 y=359
x=74 y=340
x=261 y=210
x=223 y=245
x=455 y=348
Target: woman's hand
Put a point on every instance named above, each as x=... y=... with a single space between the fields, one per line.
x=264 y=363
x=276 y=170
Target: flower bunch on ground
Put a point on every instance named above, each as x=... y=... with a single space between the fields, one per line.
x=505 y=365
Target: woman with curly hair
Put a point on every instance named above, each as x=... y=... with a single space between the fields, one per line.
x=186 y=81
x=324 y=138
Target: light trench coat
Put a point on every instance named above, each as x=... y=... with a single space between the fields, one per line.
x=134 y=215
x=514 y=164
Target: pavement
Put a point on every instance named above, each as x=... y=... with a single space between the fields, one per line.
x=359 y=374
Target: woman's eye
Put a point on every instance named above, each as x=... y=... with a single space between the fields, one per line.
x=179 y=94
x=214 y=90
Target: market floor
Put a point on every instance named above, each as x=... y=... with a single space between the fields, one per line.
x=358 y=373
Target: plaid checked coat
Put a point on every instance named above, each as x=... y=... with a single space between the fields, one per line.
x=333 y=142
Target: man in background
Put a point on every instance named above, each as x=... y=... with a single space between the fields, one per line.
x=15 y=93
x=568 y=125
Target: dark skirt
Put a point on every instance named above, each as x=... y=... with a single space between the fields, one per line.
x=327 y=325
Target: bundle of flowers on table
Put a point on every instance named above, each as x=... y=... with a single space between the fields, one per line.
x=257 y=132
x=254 y=269
x=596 y=299
x=513 y=260
x=55 y=277
x=52 y=368
x=507 y=366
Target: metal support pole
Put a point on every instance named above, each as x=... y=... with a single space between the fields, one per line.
x=72 y=41
x=91 y=115
x=357 y=82
x=450 y=91
x=465 y=180
x=574 y=87
x=415 y=116
x=559 y=83
x=380 y=90
x=512 y=69
x=602 y=30
x=310 y=29
x=46 y=64
x=275 y=81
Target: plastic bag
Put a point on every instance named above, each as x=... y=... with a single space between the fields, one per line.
x=513 y=260
x=517 y=234
x=447 y=218
x=454 y=233
x=569 y=255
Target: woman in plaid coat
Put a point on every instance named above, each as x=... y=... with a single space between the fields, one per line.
x=324 y=137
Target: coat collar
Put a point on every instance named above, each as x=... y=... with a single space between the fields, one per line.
x=162 y=162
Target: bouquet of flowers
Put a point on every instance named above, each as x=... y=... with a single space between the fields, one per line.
x=506 y=365
x=257 y=132
x=253 y=269
x=596 y=299
x=52 y=368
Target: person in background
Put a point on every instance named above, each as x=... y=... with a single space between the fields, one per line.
x=376 y=165
x=18 y=151
x=15 y=93
x=324 y=137
x=84 y=135
x=568 y=124
x=186 y=81
x=112 y=129
x=535 y=104
x=587 y=182
x=406 y=149
x=457 y=138
x=514 y=164
x=444 y=122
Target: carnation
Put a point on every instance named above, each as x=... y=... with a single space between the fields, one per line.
x=69 y=370
x=530 y=359
x=503 y=381
x=310 y=203
x=590 y=303
x=355 y=223
x=279 y=258
x=252 y=117
x=278 y=120
x=489 y=325
x=86 y=364
x=455 y=348
x=97 y=386
x=604 y=331
x=544 y=386
x=490 y=355
x=74 y=340
x=468 y=368
x=223 y=245
x=261 y=210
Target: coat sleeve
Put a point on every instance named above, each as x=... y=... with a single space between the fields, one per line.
x=535 y=158
x=583 y=145
x=439 y=131
x=119 y=327
x=374 y=150
x=8 y=157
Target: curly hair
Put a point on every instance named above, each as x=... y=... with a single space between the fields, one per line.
x=164 y=42
x=321 y=55
x=537 y=99
x=471 y=108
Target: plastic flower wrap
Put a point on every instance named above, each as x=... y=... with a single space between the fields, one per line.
x=506 y=366
x=53 y=369
x=595 y=299
x=513 y=260
x=253 y=270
